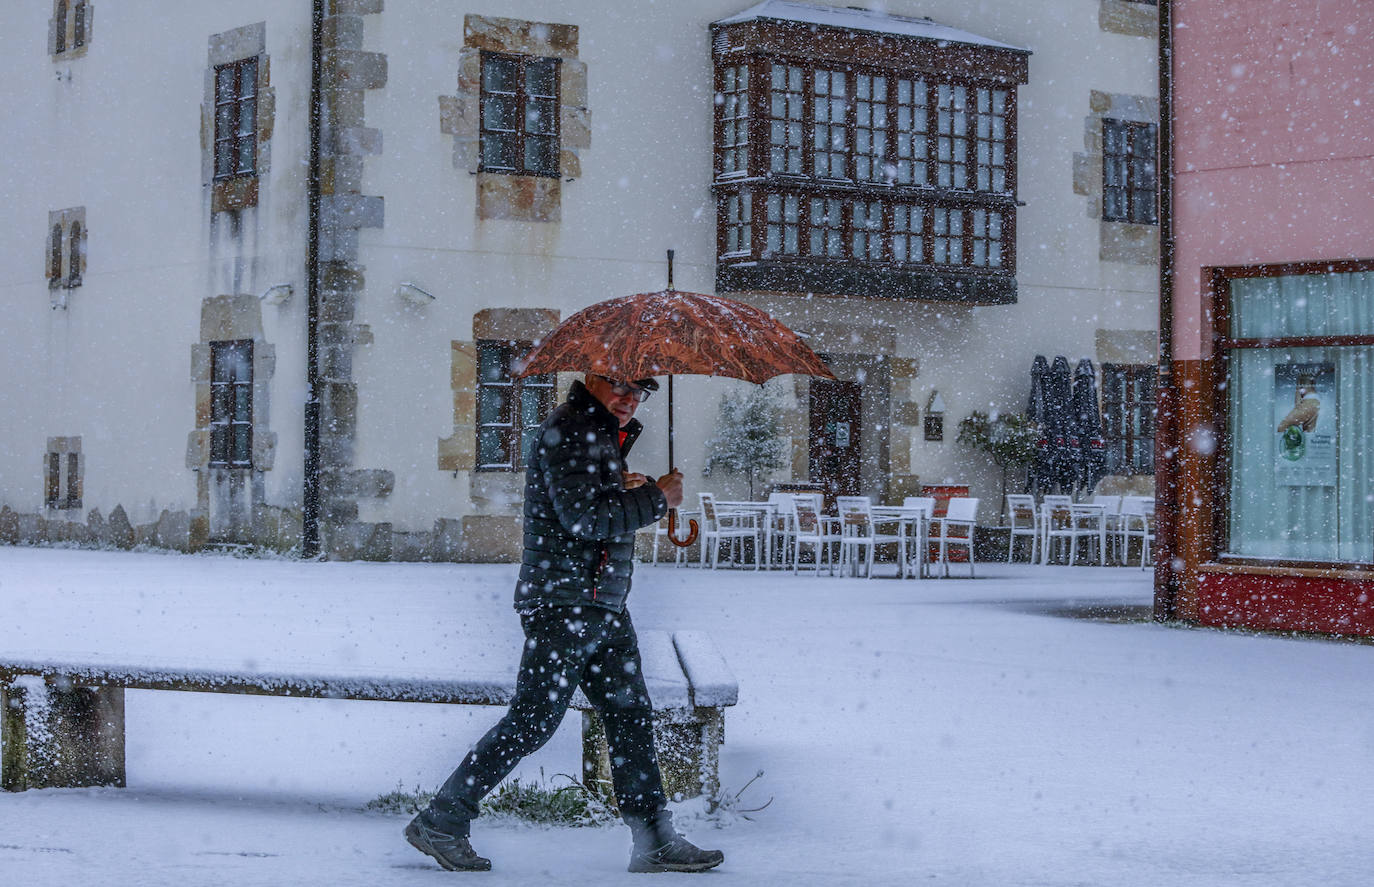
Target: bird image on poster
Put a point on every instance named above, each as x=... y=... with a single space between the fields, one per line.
x=1305 y=406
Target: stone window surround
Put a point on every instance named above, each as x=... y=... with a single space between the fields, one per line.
x=490 y=491
x=1126 y=242
x=249 y=41
x=70 y=51
x=231 y=318
x=73 y=257
x=500 y=195
x=1131 y=18
x=70 y=487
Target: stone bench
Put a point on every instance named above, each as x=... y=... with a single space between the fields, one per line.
x=62 y=721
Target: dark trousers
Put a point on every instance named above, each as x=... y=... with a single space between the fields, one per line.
x=566 y=647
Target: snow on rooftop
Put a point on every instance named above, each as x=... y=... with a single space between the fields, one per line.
x=860 y=19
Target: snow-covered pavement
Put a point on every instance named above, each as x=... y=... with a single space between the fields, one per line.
x=945 y=731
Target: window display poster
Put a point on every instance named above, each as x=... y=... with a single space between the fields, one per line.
x=1305 y=411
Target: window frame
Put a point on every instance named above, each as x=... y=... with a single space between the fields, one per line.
x=512 y=431
x=1139 y=174
x=228 y=413
x=229 y=140
x=522 y=98
x=56 y=252
x=1217 y=402
x=900 y=274
x=1122 y=418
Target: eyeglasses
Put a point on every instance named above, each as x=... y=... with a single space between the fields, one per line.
x=620 y=389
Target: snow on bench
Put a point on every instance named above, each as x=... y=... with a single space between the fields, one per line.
x=62 y=718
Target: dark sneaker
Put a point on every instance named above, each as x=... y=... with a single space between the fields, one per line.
x=677 y=855
x=453 y=852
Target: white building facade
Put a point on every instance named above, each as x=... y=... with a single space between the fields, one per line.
x=930 y=201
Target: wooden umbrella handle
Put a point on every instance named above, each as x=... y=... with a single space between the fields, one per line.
x=692 y=530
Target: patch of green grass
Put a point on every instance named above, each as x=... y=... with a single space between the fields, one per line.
x=539 y=801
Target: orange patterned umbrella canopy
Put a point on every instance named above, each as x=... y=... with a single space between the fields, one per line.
x=671 y=332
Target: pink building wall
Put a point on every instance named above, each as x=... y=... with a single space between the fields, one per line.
x=1273 y=140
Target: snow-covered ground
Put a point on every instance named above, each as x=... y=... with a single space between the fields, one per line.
x=945 y=731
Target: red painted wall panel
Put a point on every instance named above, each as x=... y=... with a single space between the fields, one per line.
x=1287 y=603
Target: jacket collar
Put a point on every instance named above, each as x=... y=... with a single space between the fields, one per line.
x=582 y=401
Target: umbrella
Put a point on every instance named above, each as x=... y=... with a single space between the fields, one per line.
x=1058 y=401
x=1087 y=418
x=670 y=332
x=1037 y=410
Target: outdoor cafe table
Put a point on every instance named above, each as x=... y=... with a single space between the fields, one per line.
x=766 y=512
x=1052 y=511
x=910 y=521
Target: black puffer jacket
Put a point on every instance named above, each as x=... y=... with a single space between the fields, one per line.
x=579 y=518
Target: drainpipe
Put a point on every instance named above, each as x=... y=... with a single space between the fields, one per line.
x=310 y=494
x=1168 y=440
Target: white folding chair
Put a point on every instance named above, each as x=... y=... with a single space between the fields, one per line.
x=1056 y=522
x=956 y=529
x=1088 y=522
x=1112 y=508
x=781 y=526
x=809 y=528
x=734 y=527
x=1138 y=523
x=1021 y=513
x=858 y=531
x=920 y=534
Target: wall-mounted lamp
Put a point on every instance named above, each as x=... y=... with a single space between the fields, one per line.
x=414 y=295
x=277 y=295
x=935 y=417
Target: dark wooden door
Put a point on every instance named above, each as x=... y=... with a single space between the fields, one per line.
x=836 y=437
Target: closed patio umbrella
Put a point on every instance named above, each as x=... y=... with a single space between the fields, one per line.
x=1087 y=417
x=1059 y=402
x=1037 y=410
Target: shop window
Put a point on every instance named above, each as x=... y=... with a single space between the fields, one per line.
x=231 y=404
x=1128 y=417
x=1130 y=182
x=519 y=128
x=1298 y=349
x=236 y=108
x=868 y=156
x=509 y=409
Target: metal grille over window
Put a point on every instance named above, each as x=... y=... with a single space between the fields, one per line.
x=519 y=128
x=231 y=404
x=236 y=106
x=734 y=111
x=509 y=410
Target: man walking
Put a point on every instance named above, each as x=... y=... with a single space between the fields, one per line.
x=581 y=511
